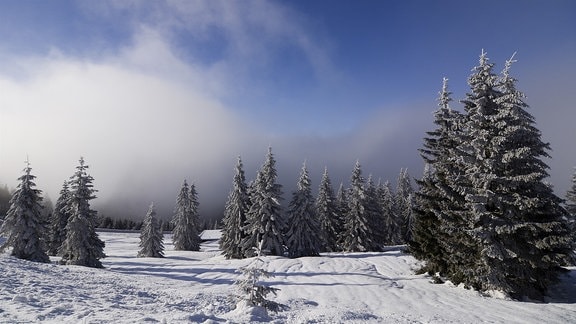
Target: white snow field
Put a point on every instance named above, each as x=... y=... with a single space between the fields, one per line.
x=195 y=287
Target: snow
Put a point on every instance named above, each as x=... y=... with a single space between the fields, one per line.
x=188 y=286
x=210 y=235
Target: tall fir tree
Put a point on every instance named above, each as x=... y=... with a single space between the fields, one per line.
x=328 y=214
x=342 y=207
x=186 y=235
x=82 y=245
x=571 y=198
x=303 y=233
x=358 y=235
x=435 y=199
x=403 y=205
x=235 y=211
x=264 y=220
x=375 y=216
x=59 y=220
x=24 y=225
x=522 y=229
x=390 y=229
x=151 y=236
x=500 y=225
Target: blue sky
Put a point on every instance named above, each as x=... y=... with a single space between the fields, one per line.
x=178 y=89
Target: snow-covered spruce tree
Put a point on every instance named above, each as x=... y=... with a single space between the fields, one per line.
x=342 y=207
x=517 y=222
x=59 y=220
x=328 y=214
x=358 y=235
x=390 y=229
x=571 y=198
x=235 y=211
x=82 y=245
x=432 y=236
x=264 y=220
x=250 y=285
x=427 y=235
x=151 y=236
x=403 y=205
x=186 y=235
x=375 y=216
x=24 y=224
x=303 y=233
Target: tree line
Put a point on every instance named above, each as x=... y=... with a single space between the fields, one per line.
x=366 y=216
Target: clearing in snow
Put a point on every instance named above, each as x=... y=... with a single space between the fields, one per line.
x=188 y=286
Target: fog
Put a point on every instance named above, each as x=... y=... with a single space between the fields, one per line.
x=142 y=134
x=145 y=119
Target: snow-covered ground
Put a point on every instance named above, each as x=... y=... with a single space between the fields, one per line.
x=196 y=287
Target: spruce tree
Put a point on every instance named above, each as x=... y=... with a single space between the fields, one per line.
x=235 y=211
x=342 y=208
x=264 y=221
x=571 y=198
x=303 y=233
x=390 y=229
x=82 y=245
x=24 y=225
x=253 y=291
x=151 y=236
x=328 y=214
x=523 y=231
x=506 y=229
x=435 y=200
x=185 y=234
x=59 y=220
x=358 y=235
x=375 y=215
x=403 y=205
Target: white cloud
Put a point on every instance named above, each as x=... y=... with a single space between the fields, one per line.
x=144 y=127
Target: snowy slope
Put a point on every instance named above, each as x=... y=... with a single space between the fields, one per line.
x=195 y=287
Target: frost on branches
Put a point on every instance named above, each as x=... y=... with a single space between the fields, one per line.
x=151 y=237
x=234 y=220
x=328 y=215
x=264 y=221
x=59 y=220
x=403 y=206
x=358 y=234
x=186 y=235
x=502 y=227
x=571 y=199
x=436 y=200
x=82 y=245
x=251 y=289
x=24 y=225
x=303 y=234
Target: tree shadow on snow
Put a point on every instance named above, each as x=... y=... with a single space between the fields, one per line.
x=184 y=274
x=385 y=281
x=564 y=292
